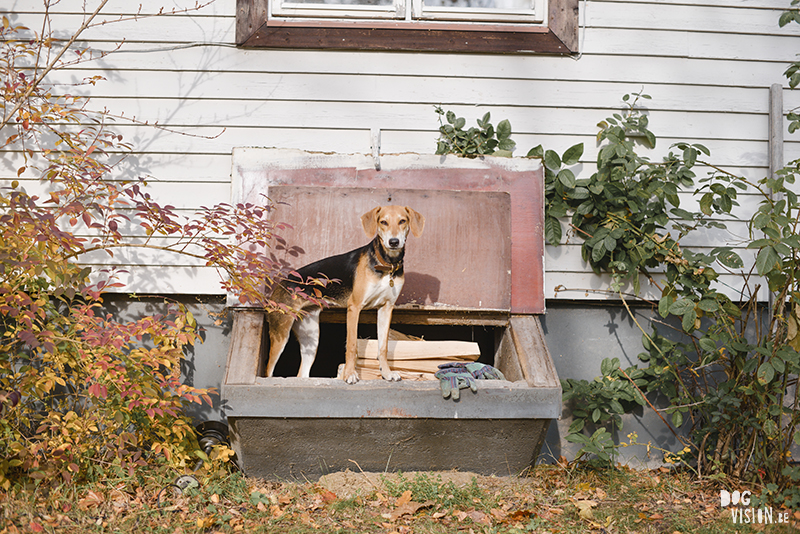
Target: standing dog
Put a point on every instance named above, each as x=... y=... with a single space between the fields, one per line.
x=367 y=277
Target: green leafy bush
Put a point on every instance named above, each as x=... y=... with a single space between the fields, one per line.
x=730 y=370
x=483 y=140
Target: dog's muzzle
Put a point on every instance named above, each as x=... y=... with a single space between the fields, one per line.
x=394 y=242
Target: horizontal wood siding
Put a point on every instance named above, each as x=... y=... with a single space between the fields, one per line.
x=708 y=66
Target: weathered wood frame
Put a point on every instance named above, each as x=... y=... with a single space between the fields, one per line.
x=305 y=427
x=255 y=30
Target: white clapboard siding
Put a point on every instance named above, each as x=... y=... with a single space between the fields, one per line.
x=149 y=279
x=410 y=116
x=589 y=286
x=567 y=258
x=194 y=57
x=180 y=195
x=708 y=66
x=253 y=88
x=749 y=19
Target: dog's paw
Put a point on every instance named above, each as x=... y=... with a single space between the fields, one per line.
x=391 y=376
x=352 y=378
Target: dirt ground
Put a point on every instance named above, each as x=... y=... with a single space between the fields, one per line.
x=349 y=483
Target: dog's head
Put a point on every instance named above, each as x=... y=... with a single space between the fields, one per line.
x=392 y=224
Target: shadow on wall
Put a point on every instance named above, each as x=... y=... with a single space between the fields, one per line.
x=579 y=337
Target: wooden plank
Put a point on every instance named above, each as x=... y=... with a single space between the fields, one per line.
x=747 y=123
x=440 y=265
x=506 y=358
x=374 y=374
x=265 y=92
x=690 y=44
x=416 y=366
x=567 y=257
x=196 y=61
x=244 y=354
x=751 y=19
x=534 y=357
x=421 y=350
x=589 y=286
x=431 y=316
x=159 y=280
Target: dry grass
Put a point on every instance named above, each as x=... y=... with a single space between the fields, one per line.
x=554 y=499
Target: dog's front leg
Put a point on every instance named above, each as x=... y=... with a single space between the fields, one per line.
x=351 y=348
x=384 y=320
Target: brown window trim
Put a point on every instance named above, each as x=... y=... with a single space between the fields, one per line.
x=253 y=30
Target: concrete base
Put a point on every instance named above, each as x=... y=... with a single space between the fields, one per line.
x=308 y=448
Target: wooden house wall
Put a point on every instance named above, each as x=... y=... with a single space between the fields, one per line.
x=708 y=66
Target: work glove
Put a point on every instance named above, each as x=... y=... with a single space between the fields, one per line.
x=452 y=381
x=477 y=370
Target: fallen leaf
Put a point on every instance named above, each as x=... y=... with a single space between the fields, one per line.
x=204 y=523
x=328 y=496
x=479 y=517
x=600 y=494
x=409 y=508
x=499 y=515
x=91 y=499
x=655 y=517
x=520 y=515
x=404 y=498
x=306 y=520
x=585 y=508
x=276 y=511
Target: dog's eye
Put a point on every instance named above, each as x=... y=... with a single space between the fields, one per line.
x=385 y=223
x=402 y=221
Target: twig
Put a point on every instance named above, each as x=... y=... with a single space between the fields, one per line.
x=679 y=438
x=51 y=65
x=365 y=475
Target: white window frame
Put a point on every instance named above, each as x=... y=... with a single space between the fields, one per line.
x=297 y=10
x=408 y=11
x=535 y=14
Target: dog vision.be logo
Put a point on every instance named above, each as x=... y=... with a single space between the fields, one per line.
x=743 y=513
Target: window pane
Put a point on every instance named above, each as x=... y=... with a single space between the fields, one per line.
x=483 y=4
x=343 y=2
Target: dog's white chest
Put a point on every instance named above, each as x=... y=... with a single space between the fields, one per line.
x=385 y=290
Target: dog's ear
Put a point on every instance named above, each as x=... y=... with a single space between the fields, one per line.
x=370 y=222
x=415 y=221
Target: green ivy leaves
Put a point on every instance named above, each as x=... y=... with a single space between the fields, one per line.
x=474 y=142
x=560 y=184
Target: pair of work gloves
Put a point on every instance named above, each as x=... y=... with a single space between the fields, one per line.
x=455 y=376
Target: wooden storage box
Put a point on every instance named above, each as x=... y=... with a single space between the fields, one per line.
x=475 y=274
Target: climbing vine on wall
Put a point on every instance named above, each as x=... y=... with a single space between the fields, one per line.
x=728 y=369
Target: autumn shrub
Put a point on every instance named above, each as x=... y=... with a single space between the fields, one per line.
x=83 y=394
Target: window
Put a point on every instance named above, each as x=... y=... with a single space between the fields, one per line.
x=488 y=26
x=528 y=11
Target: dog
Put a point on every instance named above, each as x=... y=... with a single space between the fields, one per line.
x=367 y=277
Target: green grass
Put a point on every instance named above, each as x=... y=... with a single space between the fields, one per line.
x=553 y=499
